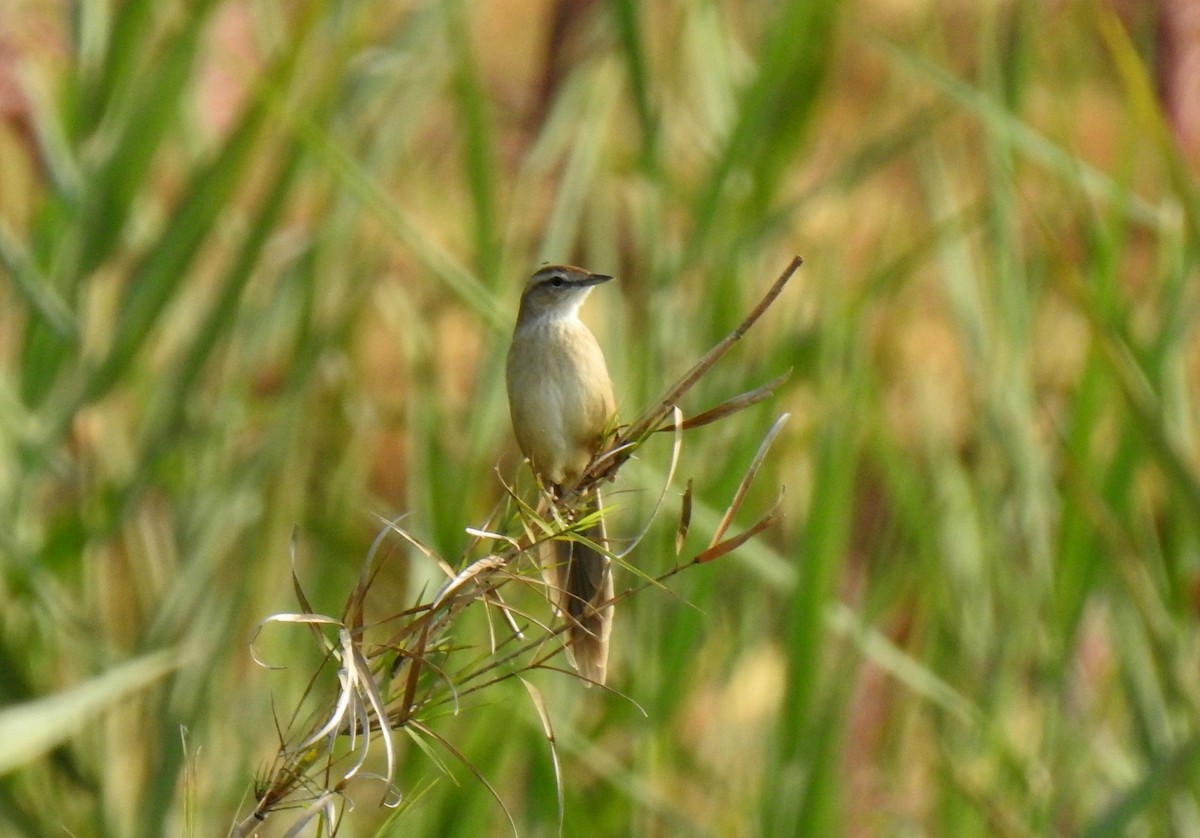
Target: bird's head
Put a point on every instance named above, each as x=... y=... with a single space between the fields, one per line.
x=557 y=291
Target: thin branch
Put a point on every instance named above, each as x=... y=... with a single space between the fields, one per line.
x=729 y=406
x=653 y=417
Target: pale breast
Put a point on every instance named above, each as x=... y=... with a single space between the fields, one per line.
x=560 y=397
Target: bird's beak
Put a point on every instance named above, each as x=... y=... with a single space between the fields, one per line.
x=594 y=279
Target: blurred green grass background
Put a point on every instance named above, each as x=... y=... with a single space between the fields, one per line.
x=260 y=262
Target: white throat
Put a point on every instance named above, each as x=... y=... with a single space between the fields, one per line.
x=564 y=311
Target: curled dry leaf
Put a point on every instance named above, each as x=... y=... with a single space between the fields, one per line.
x=685 y=518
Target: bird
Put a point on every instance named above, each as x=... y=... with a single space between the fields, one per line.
x=560 y=399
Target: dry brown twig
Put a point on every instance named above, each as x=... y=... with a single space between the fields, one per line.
x=388 y=686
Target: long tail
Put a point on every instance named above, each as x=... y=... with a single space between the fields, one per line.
x=584 y=578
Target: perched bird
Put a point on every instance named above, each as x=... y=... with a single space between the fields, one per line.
x=561 y=401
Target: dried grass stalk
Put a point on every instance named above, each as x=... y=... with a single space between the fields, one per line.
x=395 y=685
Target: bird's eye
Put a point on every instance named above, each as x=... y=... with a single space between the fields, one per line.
x=557 y=281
